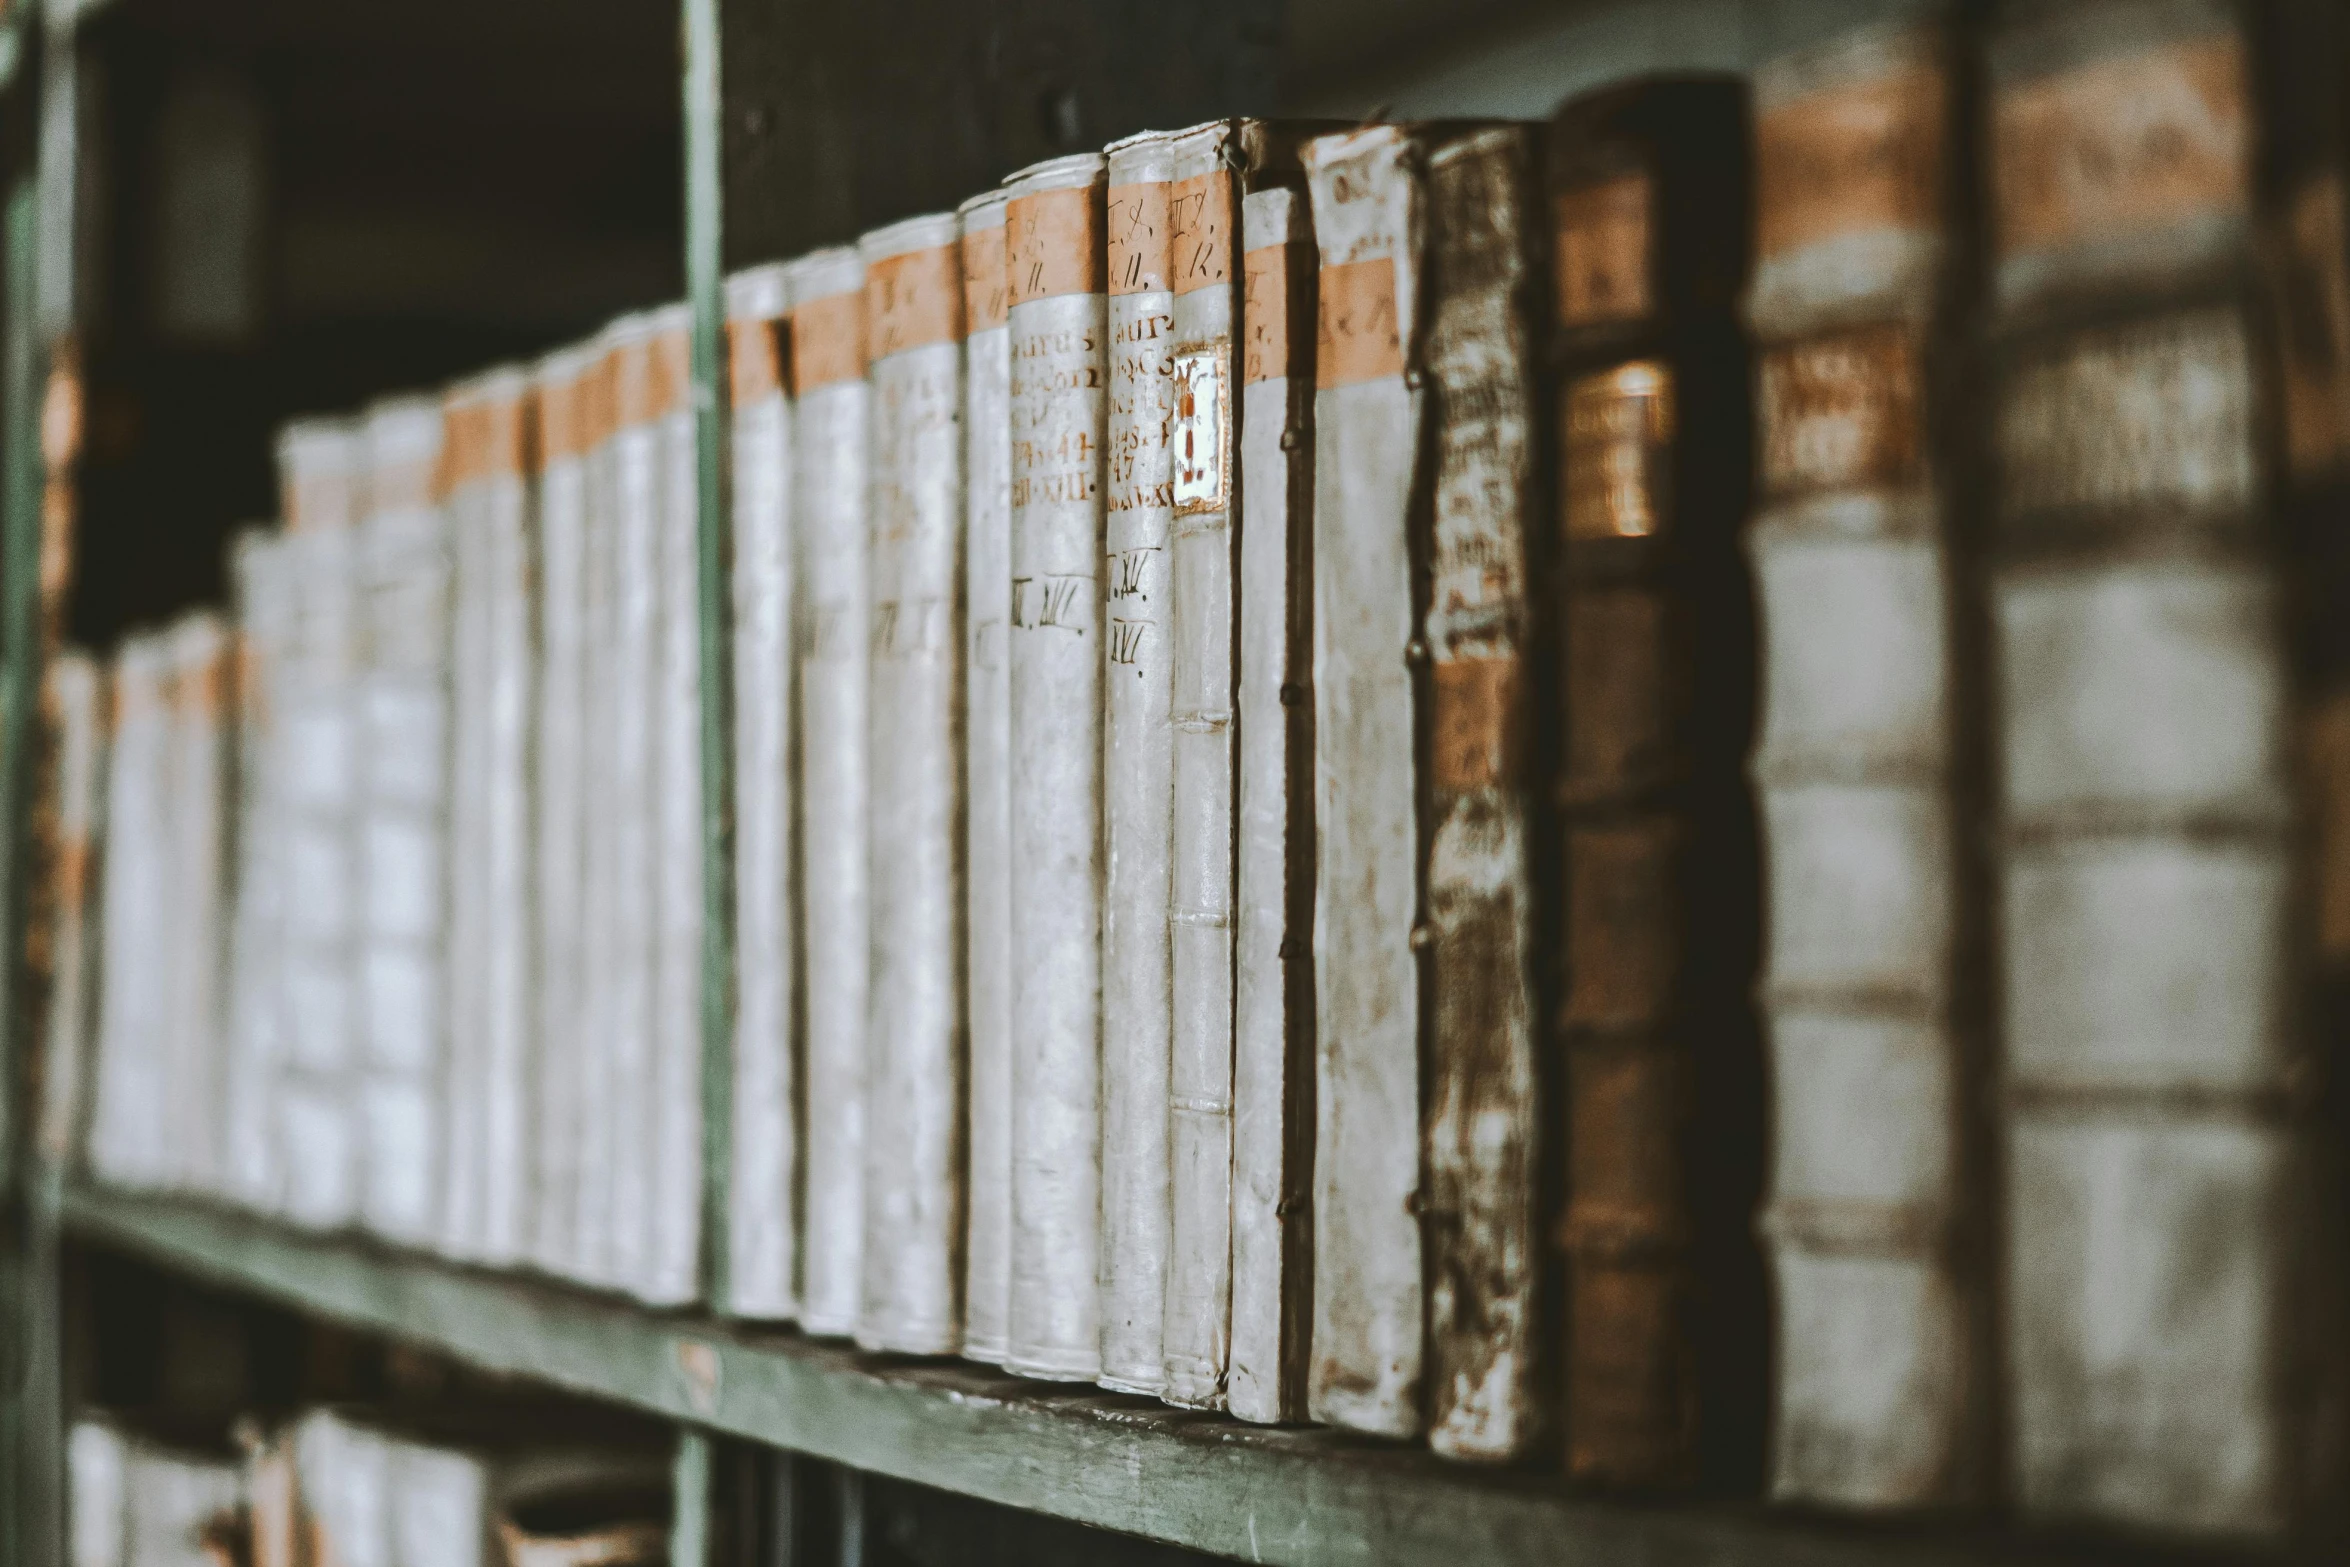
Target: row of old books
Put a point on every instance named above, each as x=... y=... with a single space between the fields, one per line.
x=1600 y=784
x=341 y=1487
x=438 y=783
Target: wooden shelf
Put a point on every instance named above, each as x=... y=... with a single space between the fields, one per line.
x=1309 y=1497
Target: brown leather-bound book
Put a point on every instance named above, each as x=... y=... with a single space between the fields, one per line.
x=1653 y=681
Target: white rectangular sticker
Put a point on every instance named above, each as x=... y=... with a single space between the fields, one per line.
x=1202 y=434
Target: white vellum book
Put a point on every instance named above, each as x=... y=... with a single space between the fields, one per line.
x=1273 y=1002
x=1203 y=226
x=987 y=774
x=674 y=1250
x=403 y=780
x=1367 y=418
x=1138 y=772
x=914 y=1041
x=130 y=1135
x=762 y=1273
x=558 y=825
x=828 y=513
x=321 y=468
x=1059 y=319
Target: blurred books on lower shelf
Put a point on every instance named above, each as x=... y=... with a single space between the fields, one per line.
x=487 y=1486
x=1617 y=794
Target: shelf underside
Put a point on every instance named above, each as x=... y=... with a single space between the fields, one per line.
x=1309 y=1497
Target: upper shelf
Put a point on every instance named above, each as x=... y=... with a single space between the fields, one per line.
x=1309 y=1497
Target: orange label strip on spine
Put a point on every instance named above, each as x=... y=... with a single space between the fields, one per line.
x=913 y=300
x=1360 y=338
x=828 y=341
x=1053 y=243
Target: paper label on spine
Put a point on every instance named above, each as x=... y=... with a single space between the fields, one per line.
x=1264 y=313
x=912 y=300
x=754 y=362
x=986 y=297
x=828 y=342
x=2152 y=412
x=1841 y=412
x=1203 y=428
x=2145 y=142
x=1200 y=230
x=1136 y=221
x=1603 y=250
x=1853 y=159
x=1054 y=243
x=1619 y=434
x=1357 y=324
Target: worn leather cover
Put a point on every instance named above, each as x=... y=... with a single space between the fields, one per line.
x=1480 y=1194
x=1654 y=676
x=2172 y=1356
x=1866 y=764
x=914 y=1069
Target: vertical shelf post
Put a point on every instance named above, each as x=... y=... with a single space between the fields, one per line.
x=703 y=238
x=689 y=1526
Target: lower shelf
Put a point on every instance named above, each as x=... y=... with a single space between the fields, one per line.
x=1309 y=1497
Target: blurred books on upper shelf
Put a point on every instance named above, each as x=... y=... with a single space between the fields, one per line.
x=1619 y=793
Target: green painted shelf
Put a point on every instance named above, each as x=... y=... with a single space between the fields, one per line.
x=1309 y=1497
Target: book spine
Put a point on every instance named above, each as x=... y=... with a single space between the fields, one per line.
x=199 y=768
x=259 y=567
x=94 y=1463
x=1137 y=766
x=76 y=701
x=593 y=1161
x=1059 y=365
x=404 y=760
x=1369 y=675
x=762 y=1217
x=510 y=642
x=2157 y=1151
x=1273 y=1001
x=129 y=1142
x=987 y=772
x=828 y=376
x=558 y=884
x=632 y=913
x=463 y=1090
x=1654 y=672
x=914 y=1100
x=317 y=1126
x=1203 y=228
x=1479 y=1133
x=674 y=1260
x=1867 y=1215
